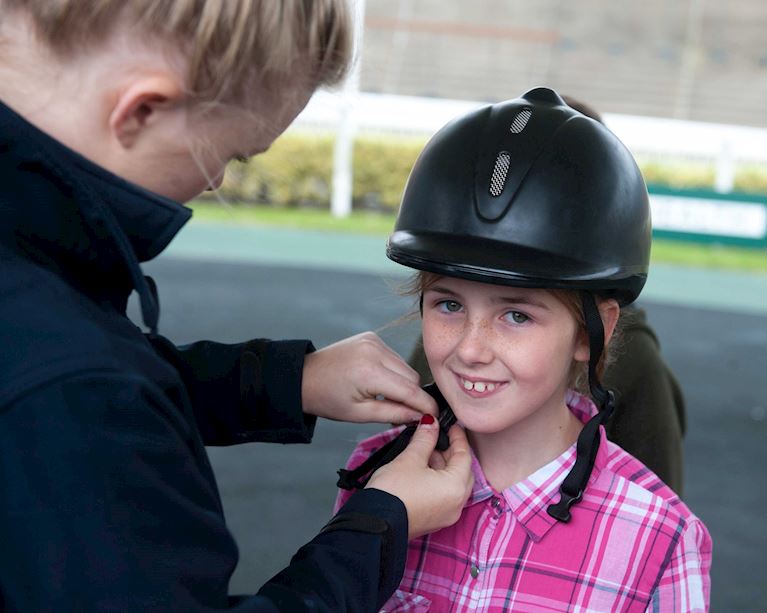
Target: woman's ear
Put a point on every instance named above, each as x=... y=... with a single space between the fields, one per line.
x=139 y=106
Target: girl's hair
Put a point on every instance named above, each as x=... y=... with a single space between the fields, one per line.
x=579 y=380
x=228 y=44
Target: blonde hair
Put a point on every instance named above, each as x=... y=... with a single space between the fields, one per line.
x=418 y=283
x=228 y=44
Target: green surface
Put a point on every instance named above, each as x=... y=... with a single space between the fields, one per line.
x=307 y=219
x=709 y=255
x=686 y=253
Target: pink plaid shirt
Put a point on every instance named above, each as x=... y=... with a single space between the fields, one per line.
x=631 y=545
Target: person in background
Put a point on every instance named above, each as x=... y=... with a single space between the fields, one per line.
x=112 y=113
x=649 y=420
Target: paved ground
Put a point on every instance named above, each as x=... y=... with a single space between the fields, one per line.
x=276 y=497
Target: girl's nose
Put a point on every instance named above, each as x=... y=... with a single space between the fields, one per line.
x=474 y=346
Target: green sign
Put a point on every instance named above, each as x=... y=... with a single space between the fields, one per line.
x=708 y=216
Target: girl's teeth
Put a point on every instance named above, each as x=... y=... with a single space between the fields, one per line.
x=479 y=386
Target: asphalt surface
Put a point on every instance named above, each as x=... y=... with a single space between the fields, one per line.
x=276 y=497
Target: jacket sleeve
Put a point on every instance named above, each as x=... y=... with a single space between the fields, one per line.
x=109 y=507
x=244 y=392
x=347 y=570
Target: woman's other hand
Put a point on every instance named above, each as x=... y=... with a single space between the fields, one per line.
x=360 y=379
x=433 y=492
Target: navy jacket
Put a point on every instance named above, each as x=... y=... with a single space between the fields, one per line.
x=107 y=498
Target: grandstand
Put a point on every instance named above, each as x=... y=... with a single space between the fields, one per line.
x=687 y=59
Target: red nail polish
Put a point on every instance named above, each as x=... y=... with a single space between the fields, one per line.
x=427 y=419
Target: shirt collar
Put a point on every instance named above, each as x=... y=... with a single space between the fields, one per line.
x=529 y=498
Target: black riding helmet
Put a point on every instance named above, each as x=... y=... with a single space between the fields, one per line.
x=527 y=192
x=532 y=193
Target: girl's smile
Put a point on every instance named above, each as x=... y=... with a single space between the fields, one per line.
x=479 y=388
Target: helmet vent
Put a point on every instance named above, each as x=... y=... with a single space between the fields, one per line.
x=500 y=170
x=520 y=121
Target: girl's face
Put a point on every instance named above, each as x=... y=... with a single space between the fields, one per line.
x=499 y=354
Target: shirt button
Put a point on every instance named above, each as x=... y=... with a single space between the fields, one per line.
x=474 y=571
x=495 y=502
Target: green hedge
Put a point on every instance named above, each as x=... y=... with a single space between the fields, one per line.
x=751 y=178
x=297 y=172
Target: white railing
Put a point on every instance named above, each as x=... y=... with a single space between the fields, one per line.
x=723 y=145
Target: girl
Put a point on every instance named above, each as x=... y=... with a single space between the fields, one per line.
x=529 y=225
x=111 y=112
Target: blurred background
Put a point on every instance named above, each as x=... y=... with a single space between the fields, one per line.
x=293 y=245
x=683 y=84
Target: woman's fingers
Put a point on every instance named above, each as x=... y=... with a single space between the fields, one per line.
x=360 y=379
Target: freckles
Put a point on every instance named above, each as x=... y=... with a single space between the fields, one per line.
x=492 y=335
x=436 y=338
x=447 y=338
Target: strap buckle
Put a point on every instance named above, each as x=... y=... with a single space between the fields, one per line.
x=561 y=510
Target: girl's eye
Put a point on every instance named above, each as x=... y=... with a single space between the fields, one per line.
x=450 y=306
x=242 y=159
x=516 y=317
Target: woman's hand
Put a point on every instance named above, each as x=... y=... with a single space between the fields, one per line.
x=433 y=492
x=360 y=379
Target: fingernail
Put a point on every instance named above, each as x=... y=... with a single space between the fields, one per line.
x=427 y=420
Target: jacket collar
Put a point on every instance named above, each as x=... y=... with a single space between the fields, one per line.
x=79 y=219
x=529 y=498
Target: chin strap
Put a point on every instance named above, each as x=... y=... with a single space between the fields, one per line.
x=360 y=475
x=572 y=488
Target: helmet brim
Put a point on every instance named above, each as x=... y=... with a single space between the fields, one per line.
x=502 y=263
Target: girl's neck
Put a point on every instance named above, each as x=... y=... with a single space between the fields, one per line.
x=509 y=456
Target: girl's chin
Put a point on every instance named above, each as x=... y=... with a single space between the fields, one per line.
x=479 y=424
x=484 y=429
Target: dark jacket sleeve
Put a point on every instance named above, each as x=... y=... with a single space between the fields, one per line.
x=244 y=392
x=347 y=570
x=109 y=507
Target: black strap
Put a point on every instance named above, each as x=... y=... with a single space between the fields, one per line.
x=571 y=490
x=359 y=476
x=596 y=332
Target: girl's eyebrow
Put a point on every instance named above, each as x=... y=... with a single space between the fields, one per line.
x=522 y=300
x=514 y=300
x=441 y=290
